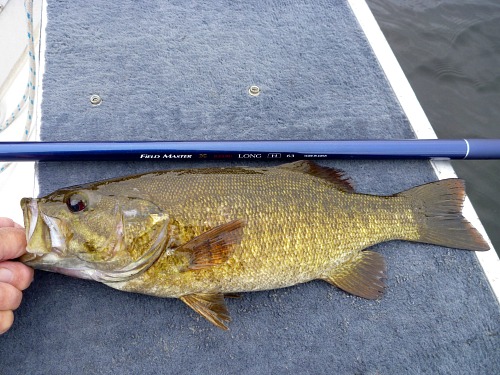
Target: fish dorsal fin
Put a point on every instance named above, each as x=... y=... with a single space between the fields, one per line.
x=362 y=276
x=214 y=246
x=209 y=305
x=334 y=176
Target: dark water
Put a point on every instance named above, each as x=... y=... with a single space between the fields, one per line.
x=450 y=52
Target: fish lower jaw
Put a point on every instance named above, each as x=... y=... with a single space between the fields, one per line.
x=54 y=263
x=32 y=258
x=29 y=257
x=35 y=251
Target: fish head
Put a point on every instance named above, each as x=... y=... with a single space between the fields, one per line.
x=89 y=234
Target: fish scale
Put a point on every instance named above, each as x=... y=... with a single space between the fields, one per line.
x=266 y=259
x=201 y=234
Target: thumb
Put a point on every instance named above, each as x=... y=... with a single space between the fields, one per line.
x=12 y=243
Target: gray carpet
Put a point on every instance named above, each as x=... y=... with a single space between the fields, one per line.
x=181 y=70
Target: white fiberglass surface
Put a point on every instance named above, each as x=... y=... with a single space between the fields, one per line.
x=18 y=180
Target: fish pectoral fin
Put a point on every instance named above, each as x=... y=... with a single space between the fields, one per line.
x=209 y=305
x=214 y=246
x=362 y=276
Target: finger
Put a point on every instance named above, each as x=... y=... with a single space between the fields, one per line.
x=12 y=243
x=16 y=274
x=6 y=320
x=5 y=222
x=10 y=297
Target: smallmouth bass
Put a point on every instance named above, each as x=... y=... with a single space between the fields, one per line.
x=204 y=234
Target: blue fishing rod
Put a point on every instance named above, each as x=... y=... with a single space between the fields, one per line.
x=252 y=150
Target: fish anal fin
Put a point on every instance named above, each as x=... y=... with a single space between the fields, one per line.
x=334 y=176
x=209 y=305
x=213 y=247
x=362 y=276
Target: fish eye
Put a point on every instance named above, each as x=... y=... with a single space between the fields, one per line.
x=76 y=202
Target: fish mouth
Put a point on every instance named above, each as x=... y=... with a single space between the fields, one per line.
x=44 y=234
x=30 y=211
x=46 y=242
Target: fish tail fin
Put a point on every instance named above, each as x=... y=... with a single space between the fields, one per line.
x=442 y=222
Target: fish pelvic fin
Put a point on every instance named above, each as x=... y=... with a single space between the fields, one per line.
x=362 y=276
x=440 y=220
x=213 y=247
x=211 y=306
x=334 y=176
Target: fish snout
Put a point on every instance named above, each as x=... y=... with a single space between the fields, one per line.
x=30 y=214
x=44 y=234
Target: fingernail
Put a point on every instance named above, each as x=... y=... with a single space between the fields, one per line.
x=6 y=275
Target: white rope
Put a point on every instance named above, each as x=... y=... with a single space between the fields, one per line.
x=28 y=98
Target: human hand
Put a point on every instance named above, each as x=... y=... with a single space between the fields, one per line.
x=14 y=276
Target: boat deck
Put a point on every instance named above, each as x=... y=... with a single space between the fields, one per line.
x=175 y=70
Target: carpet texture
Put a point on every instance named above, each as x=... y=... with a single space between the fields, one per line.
x=180 y=70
